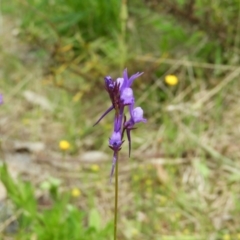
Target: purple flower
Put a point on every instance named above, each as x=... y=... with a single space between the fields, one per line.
x=109 y=83
x=127 y=82
x=127 y=96
x=121 y=95
x=136 y=117
x=120 y=82
x=115 y=141
x=1 y=99
x=118 y=93
x=118 y=120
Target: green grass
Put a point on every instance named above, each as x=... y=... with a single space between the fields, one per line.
x=59 y=218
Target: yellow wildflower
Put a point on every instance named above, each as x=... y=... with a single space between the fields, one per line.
x=64 y=145
x=135 y=232
x=95 y=168
x=25 y=121
x=226 y=237
x=149 y=182
x=141 y=166
x=76 y=192
x=136 y=178
x=77 y=97
x=177 y=215
x=163 y=200
x=171 y=80
x=186 y=231
x=238 y=236
x=150 y=167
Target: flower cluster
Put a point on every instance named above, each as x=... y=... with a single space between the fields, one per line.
x=121 y=95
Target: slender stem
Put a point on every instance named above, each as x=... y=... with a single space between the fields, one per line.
x=123 y=20
x=116 y=199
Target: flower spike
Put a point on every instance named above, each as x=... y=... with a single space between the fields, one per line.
x=121 y=95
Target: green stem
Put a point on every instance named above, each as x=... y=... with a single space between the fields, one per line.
x=116 y=199
x=123 y=22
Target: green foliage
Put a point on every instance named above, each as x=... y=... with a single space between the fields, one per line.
x=95 y=18
x=205 y=28
x=21 y=194
x=92 y=19
x=60 y=221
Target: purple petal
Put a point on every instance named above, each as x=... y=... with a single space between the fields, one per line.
x=120 y=82
x=115 y=141
x=109 y=82
x=117 y=123
x=125 y=80
x=128 y=81
x=138 y=115
x=127 y=96
x=1 y=99
x=118 y=120
x=133 y=77
x=109 y=110
x=131 y=108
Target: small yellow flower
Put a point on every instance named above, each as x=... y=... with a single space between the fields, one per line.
x=141 y=166
x=177 y=215
x=135 y=232
x=150 y=167
x=238 y=236
x=64 y=145
x=25 y=121
x=171 y=80
x=149 y=182
x=77 y=97
x=136 y=178
x=76 y=192
x=226 y=237
x=95 y=168
x=163 y=200
x=186 y=231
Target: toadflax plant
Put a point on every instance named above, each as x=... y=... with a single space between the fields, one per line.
x=121 y=96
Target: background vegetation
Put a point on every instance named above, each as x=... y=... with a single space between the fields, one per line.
x=182 y=181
